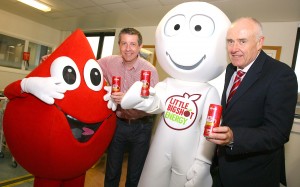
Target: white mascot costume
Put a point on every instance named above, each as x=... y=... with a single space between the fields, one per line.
x=191 y=48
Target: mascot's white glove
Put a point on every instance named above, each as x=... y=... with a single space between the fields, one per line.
x=110 y=104
x=199 y=174
x=133 y=99
x=45 y=88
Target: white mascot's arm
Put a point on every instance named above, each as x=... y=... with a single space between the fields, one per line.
x=151 y=104
x=110 y=104
x=199 y=173
x=45 y=88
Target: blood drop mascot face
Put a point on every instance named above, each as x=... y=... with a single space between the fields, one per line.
x=60 y=142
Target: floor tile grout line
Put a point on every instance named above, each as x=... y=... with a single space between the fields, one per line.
x=15 y=180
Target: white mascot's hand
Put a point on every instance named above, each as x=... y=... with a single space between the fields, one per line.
x=199 y=175
x=110 y=104
x=133 y=99
x=45 y=88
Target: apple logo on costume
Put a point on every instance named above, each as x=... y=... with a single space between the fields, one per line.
x=181 y=111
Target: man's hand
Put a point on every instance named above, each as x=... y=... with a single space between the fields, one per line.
x=221 y=135
x=45 y=88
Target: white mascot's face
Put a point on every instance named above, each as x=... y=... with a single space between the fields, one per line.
x=191 y=42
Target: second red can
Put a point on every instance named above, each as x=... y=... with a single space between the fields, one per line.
x=145 y=79
x=213 y=118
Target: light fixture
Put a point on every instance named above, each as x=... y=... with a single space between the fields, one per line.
x=36 y=4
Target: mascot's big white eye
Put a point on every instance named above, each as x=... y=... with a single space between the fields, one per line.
x=202 y=26
x=65 y=69
x=174 y=25
x=93 y=75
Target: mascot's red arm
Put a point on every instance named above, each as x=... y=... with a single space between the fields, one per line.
x=14 y=90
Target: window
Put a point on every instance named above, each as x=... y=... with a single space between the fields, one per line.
x=102 y=43
x=12 y=49
x=296 y=67
x=36 y=52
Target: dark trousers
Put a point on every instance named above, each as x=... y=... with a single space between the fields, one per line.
x=136 y=137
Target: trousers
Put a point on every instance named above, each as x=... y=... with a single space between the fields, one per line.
x=133 y=137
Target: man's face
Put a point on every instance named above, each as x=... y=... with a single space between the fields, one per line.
x=242 y=43
x=129 y=47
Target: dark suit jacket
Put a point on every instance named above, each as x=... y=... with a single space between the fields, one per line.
x=261 y=115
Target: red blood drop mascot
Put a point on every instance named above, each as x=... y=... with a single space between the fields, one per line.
x=59 y=141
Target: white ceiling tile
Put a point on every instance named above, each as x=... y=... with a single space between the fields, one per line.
x=104 y=2
x=143 y=3
x=116 y=7
x=80 y=3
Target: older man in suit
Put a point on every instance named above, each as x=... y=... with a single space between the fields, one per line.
x=258 y=111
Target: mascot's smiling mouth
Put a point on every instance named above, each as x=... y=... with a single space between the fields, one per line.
x=186 y=67
x=82 y=132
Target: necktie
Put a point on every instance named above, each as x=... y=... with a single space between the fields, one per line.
x=236 y=83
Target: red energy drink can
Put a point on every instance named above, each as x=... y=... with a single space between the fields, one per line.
x=213 y=118
x=116 y=84
x=145 y=79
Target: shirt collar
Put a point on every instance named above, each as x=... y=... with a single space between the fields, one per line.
x=248 y=66
x=135 y=64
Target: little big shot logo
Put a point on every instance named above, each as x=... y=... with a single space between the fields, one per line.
x=181 y=111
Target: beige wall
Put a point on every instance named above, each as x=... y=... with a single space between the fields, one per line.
x=282 y=34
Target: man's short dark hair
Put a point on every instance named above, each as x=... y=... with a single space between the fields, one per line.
x=131 y=31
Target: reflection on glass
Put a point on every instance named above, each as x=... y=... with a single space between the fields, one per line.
x=11 y=51
x=36 y=52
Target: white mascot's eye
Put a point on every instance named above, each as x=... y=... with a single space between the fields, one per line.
x=93 y=75
x=202 y=26
x=65 y=69
x=174 y=25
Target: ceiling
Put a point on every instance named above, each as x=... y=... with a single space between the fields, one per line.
x=108 y=14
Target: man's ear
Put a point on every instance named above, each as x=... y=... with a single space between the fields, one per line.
x=260 y=42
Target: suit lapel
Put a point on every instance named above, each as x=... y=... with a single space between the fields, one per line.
x=250 y=78
x=229 y=72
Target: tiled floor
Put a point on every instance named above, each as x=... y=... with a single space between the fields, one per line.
x=10 y=176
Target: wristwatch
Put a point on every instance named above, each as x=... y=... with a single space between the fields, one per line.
x=230 y=145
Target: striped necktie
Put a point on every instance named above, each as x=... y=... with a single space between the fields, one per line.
x=236 y=83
